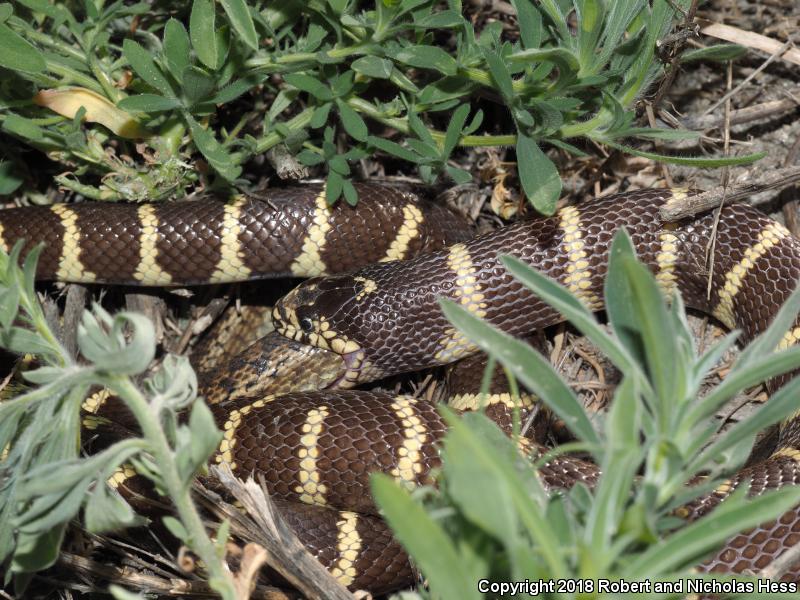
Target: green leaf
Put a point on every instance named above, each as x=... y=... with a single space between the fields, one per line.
x=779 y=407
x=37 y=551
x=46 y=374
x=422 y=132
x=197 y=84
x=424 y=539
x=174 y=385
x=441 y=20
x=352 y=121
x=9 y=180
x=209 y=147
x=320 y=116
x=148 y=103
x=205 y=437
x=527 y=365
x=338 y=165
x=349 y=192
x=697 y=539
x=223 y=43
x=309 y=84
x=237 y=88
x=655 y=133
x=145 y=67
x=567 y=61
x=55 y=11
x=639 y=317
x=177 y=50
x=427 y=150
x=102 y=339
x=239 y=17
x=530 y=23
x=24 y=341
x=538 y=175
x=575 y=312
x=480 y=460
x=501 y=76
x=6 y=10
x=54 y=509
x=393 y=148
x=459 y=176
x=717 y=53
x=202 y=31
x=616 y=25
x=106 y=511
x=22 y=127
x=333 y=189
x=17 y=54
x=309 y=158
x=454 y=129
x=373 y=66
x=611 y=495
x=176 y=528
x=427 y=57
x=590 y=20
x=706 y=163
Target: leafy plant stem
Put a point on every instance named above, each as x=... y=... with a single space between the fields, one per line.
x=146 y=416
x=277 y=63
x=102 y=76
x=72 y=77
x=294 y=124
x=86 y=190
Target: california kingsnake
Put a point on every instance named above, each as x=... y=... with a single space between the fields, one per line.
x=384 y=319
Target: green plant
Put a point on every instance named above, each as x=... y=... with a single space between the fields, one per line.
x=493 y=520
x=575 y=73
x=43 y=482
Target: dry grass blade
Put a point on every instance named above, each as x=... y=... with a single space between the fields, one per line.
x=264 y=526
x=750 y=39
x=148 y=583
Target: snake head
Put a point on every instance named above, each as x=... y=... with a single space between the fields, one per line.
x=310 y=313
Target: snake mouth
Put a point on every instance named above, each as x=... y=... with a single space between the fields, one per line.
x=349 y=356
x=353 y=362
x=323 y=339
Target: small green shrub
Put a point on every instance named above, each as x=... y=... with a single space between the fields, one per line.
x=43 y=481
x=491 y=518
x=231 y=80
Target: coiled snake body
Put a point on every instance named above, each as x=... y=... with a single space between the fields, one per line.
x=382 y=319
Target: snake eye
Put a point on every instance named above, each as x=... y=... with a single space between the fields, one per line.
x=306 y=325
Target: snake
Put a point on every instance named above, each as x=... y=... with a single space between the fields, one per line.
x=369 y=309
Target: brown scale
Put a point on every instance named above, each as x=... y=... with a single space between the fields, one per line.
x=274 y=227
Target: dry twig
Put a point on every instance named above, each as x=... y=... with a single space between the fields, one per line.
x=692 y=205
x=267 y=528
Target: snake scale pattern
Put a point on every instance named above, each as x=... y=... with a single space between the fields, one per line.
x=365 y=314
